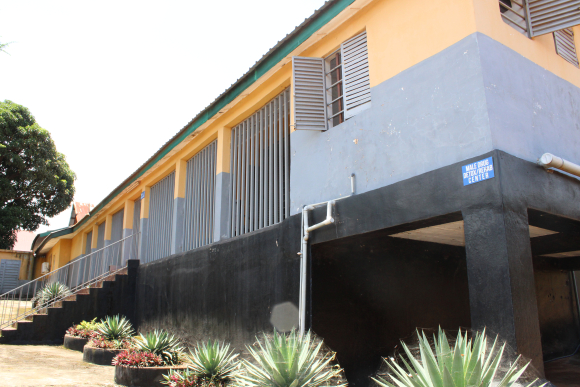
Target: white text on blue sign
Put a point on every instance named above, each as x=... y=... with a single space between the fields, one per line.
x=478 y=171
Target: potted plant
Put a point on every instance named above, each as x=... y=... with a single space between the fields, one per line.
x=77 y=336
x=114 y=334
x=152 y=356
x=209 y=364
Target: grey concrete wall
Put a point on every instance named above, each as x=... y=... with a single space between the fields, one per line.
x=431 y=115
x=531 y=110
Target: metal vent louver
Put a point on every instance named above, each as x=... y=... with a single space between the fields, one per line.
x=260 y=168
x=309 y=93
x=565 y=47
x=547 y=16
x=357 y=89
x=200 y=198
x=160 y=219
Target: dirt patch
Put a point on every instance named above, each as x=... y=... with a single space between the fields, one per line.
x=46 y=365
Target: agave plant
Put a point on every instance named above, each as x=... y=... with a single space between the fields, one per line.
x=289 y=360
x=54 y=291
x=161 y=343
x=213 y=361
x=115 y=328
x=469 y=363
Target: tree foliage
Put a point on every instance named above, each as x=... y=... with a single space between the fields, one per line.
x=36 y=182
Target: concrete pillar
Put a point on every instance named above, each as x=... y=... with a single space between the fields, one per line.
x=222 y=186
x=177 y=226
x=144 y=226
x=502 y=292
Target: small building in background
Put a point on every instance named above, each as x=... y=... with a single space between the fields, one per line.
x=16 y=264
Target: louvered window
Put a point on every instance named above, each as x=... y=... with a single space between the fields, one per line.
x=540 y=17
x=565 y=47
x=513 y=12
x=329 y=91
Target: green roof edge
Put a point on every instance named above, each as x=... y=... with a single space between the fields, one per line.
x=246 y=81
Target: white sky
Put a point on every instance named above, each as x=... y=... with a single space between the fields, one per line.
x=114 y=80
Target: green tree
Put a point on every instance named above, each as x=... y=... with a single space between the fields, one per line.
x=36 y=182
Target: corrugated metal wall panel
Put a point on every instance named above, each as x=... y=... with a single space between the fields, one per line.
x=160 y=219
x=9 y=271
x=547 y=16
x=565 y=45
x=260 y=168
x=117 y=226
x=88 y=242
x=309 y=93
x=137 y=216
x=200 y=198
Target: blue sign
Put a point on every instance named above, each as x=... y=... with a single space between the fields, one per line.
x=143 y=195
x=478 y=171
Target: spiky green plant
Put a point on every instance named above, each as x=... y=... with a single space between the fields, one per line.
x=288 y=360
x=212 y=360
x=468 y=364
x=54 y=291
x=115 y=328
x=162 y=344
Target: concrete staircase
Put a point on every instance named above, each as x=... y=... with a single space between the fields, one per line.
x=113 y=295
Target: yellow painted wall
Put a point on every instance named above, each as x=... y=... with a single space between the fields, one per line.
x=23 y=257
x=38 y=261
x=400 y=34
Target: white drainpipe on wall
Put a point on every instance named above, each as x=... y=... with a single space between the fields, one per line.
x=548 y=160
x=305 y=235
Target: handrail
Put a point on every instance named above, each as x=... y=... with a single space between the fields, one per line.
x=71 y=262
x=79 y=274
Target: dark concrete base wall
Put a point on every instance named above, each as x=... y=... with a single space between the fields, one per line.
x=229 y=289
x=225 y=291
x=370 y=291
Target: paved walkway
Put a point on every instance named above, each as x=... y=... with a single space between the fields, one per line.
x=46 y=365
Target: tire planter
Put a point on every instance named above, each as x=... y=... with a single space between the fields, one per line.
x=75 y=343
x=100 y=356
x=142 y=376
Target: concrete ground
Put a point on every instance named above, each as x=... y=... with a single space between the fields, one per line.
x=46 y=365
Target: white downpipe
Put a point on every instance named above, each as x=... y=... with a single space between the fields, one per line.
x=549 y=160
x=305 y=236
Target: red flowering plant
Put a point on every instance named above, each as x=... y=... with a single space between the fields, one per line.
x=103 y=343
x=132 y=358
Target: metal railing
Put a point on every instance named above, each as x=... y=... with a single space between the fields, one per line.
x=82 y=273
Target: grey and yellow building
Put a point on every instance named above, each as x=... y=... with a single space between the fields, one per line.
x=427 y=119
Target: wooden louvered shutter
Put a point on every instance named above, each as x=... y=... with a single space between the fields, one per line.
x=547 y=16
x=357 y=89
x=308 y=92
x=565 y=47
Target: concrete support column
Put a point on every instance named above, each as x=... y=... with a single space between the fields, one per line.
x=129 y=245
x=502 y=292
x=177 y=226
x=144 y=226
x=222 y=186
